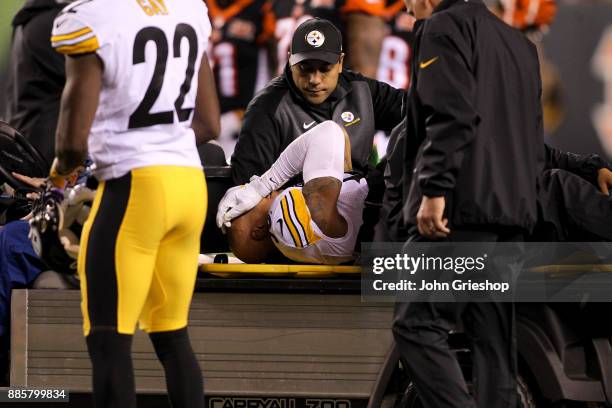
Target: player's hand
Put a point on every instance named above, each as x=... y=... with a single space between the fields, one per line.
x=429 y=218
x=61 y=179
x=33 y=182
x=235 y=202
x=604 y=180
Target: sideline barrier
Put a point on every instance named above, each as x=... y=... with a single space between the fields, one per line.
x=284 y=346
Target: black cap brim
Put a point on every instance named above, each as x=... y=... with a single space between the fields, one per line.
x=329 y=57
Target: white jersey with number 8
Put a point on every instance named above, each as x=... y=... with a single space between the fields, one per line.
x=151 y=52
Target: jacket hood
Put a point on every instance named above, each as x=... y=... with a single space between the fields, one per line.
x=33 y=7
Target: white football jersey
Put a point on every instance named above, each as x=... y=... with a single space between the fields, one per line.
x=151 y=52
x=297 y=236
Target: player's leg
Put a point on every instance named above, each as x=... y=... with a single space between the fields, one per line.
x=116 y=261
x=165 y=313
x=327 y=157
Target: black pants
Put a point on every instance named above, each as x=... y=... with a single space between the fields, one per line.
x=421 y=331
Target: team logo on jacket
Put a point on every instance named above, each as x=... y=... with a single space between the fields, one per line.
x=315 y=38
x=347 y=116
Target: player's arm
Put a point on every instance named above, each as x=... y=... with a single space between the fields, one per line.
x=590 y=167
x=321 y=196
x=206 y=118
x=445 y=86
x=77 y=111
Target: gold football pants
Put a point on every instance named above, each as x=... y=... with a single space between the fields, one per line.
x=139 y=250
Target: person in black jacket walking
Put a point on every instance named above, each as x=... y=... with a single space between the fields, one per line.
x=314 y=88
x=472 y=156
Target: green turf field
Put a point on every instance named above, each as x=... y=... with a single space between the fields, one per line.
x=8 y=8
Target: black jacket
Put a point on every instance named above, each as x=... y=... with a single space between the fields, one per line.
x=391 y=212
x=36 y=75
x=474 y=119
x=279 y=114
x=584 y=165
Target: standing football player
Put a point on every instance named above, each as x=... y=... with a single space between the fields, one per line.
x=139 y=94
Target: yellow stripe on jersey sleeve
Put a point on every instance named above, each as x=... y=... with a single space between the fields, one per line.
x=303 y=216
x=292 y=230
x=70 y=36
x=83 y=47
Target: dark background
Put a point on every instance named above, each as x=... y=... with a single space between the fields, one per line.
x=570 y=46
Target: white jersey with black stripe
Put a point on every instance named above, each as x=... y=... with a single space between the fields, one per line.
x=299 y=238
x=151 y=51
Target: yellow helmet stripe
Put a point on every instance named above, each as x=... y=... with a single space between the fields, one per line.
x=303 y=216
x=290 y=225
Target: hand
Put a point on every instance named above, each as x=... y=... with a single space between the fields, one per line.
x=60 y=178
x=235 y=202
x=34 y=182
x=604 y=180
x=429 y=218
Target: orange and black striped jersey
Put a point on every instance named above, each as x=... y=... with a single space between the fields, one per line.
x=240 y=30
x=528 y=14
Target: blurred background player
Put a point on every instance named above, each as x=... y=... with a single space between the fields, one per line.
x=241 y=38
x=394 y=65
x=139 y=95
x=317 y=223
x=362 y=22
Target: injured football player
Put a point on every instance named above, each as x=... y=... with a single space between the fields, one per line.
x=317 y=223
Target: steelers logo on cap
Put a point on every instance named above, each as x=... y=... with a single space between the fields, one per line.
x=315 y=38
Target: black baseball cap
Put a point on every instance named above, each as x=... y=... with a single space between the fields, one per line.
x=316 y=39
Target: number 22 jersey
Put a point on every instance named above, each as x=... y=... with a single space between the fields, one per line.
x=151 y=52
